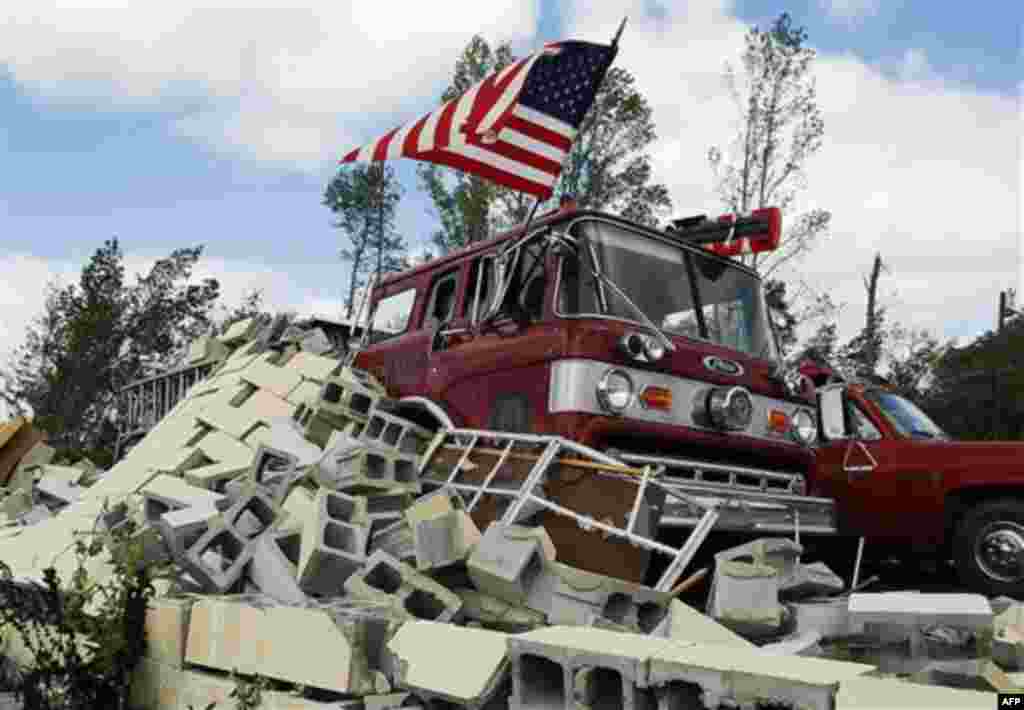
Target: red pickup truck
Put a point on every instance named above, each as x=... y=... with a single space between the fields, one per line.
x=896 y=477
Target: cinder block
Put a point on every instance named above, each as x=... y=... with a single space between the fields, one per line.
x=294 y=644
x=351 y=393
x=282 y=434
x=418 y=666
x=182 y=528
x=221 y=448
x=497 y=614
x=239 y=332
x=274 y=567
x=411 y=593
x=508 y=560
x=313 y=366
x=218 y=559
x=970 y=611
x=745 y=597
x=167 y=630
x=206 y=348
x=35 y=515
x=71 y=475
x=444 y=540
x=276 y=380
x=814 y=579
x=386 y=429
x=802 y=644
x=733 y=676
x=253 y=513
x=875 y=693
x=686 y=624
x=215 y=476
x=331 y=552
x=972 y=674
x=373 y=470
x=166 y=492
x=58 y=492
x=15 y=503
x=299 y=505
x=395 y=539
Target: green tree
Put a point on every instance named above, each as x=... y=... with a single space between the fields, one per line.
x=862 y=355
x=464 y=202
x=96 y=336
x=364 y=200
x=780 y=129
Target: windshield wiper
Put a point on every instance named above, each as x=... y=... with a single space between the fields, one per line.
x=669 y=345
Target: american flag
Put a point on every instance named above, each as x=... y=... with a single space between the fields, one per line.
x=515 y=127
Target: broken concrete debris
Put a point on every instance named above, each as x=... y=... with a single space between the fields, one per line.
x=322 y=540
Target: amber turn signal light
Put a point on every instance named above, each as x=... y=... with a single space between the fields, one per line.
x=778 y=421
x=657 y=398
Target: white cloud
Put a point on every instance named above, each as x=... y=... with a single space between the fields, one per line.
x=275 y=83
x=850 y=11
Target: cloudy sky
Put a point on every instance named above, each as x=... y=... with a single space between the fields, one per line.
x=169 y=124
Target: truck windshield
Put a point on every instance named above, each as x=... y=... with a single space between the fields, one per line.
x=655 y=276
x=905 y=416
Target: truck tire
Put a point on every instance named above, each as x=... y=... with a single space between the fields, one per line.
x=989 y=548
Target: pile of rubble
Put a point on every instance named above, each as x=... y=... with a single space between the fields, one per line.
x=326 y=543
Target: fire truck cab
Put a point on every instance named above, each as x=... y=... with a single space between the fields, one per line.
x=624 y=338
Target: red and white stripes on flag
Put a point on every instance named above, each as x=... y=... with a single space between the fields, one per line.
x=489 y=132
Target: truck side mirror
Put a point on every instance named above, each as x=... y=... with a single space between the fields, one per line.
x=830 y=406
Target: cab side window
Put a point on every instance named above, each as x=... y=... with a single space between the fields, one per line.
x=392 y=316
x=481 y=289
x=441 y=306
x=525 y=296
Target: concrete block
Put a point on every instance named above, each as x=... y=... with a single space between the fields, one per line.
x=341 y=508
x=970 y=611
x=284 y=435
x=685 y=624
x=266 y=406
x=351 y=393
x=239 y=332
x=814 y=579
x=735 y=676
x=299 y=506
x=444 y=540
x=745 y=597
x=274 y=568
x=307 y=391
x=318 y=425
x=395 y=539
x=419 y=667
x=803 y=644
x=331 y=552
x=830 y=618
x=973 y=674
x=279 y=381
x=206 y=348
x=215 y=476
x=412 y=594
x=167 y=630
x=508 y=559
x=372 y=470
x=57 y=492
x=497 y=614
x=389 y=430
x=221 y=448
x=885 y=693
x=298 y=645
x=313 y=366
x=15 y=503
x=166 y=492
x=316 y=342
x=218 y=559
x=253 y=512
x=71 y=475
x=562 y=666
x=780 y=553
x=36 y=514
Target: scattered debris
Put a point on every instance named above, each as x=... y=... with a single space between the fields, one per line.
x=322 y=541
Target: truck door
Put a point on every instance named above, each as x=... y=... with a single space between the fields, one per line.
x=493 y=375
x=871 y=475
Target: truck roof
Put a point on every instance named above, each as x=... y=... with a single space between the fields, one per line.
x=564 y=214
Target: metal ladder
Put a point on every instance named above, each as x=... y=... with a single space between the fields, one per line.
x=526 y=498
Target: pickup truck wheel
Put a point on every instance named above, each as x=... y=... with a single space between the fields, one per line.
x=989 y=548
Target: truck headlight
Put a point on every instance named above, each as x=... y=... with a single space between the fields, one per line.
x=730 y=408
x=804 y=429
x=615 y=391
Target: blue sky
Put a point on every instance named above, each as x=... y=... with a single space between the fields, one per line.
x=184 y=130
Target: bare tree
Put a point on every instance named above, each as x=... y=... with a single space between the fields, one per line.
x=781 y=128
